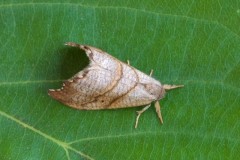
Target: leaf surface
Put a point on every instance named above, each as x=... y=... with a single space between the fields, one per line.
x=196 y=44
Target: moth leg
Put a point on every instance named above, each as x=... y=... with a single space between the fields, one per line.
x=140 y=112
x=169 y=87
x=158 y=110
x=151 y=72
x=128 y=62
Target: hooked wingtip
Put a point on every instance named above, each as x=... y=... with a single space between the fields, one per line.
x=55 y=93
x=51 y=92
x=73 y=44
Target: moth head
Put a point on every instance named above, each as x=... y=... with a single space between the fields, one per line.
x=155 y=90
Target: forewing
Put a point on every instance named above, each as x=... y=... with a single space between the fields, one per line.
x=105 y=84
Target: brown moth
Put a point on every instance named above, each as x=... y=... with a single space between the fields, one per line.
x=107 y=83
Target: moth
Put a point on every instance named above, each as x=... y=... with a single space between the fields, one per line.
x=108 y=83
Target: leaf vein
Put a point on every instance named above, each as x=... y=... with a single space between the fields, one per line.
x=127 y=8
x=62 y=144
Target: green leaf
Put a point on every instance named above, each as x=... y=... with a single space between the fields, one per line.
x=193 y=43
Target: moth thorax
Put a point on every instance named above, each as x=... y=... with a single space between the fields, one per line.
x=155 y=90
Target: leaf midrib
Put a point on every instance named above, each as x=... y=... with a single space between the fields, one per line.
x=186 y=83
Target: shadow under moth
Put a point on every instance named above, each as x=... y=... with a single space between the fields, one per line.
x=108 y=83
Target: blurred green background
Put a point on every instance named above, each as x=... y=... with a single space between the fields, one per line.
x=195 y=43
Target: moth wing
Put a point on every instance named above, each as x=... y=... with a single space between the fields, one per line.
x=106 y=83
x=145 y=91
x=100 y=76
